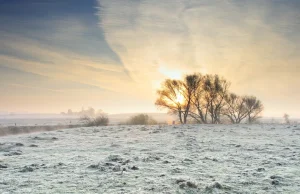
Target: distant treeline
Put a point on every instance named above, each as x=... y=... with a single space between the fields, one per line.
x=90 y=112
x=206 y=99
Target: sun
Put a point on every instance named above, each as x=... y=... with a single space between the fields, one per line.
x=173 y=74
x=179 y=98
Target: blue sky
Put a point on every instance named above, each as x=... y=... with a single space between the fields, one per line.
x=40 y=20
x=60 y=54
x=36 y=37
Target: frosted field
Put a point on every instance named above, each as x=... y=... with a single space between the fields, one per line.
x=153 y=159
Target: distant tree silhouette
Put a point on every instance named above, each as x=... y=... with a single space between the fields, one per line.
x=235 y=108
x=254 y=108
x=70 y=112
x=209 y=98
x=177 y=96
x=198 y=111
x=216 y=89
x=168 y=97
x=286 y=118
x=91 y=112
x=190 y=86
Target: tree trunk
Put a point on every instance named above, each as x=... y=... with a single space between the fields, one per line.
x=180 y=116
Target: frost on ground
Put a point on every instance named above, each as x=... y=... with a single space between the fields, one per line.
x=153 y=159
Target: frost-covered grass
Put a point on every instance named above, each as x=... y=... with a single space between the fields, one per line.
x=153 y=159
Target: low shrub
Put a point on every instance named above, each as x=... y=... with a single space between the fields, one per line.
x=141 y=119
x=101 y=120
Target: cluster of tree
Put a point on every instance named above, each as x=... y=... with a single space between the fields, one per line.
x=90 y=112
x=206 y=99
x=141 y=119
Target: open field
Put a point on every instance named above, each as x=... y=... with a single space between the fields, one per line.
x=56 y=119
x=153 y=159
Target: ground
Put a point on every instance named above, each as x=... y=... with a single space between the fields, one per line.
x=153 y=159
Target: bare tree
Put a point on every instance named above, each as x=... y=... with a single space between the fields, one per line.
x=191 y=84
x=208 y=98
x=177 y=95
x=254 y=108
x=286 y=118
x=198 y=110
x=235 y=108
x=215 y=91
x=169 y=97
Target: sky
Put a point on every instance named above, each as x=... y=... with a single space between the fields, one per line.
x=113 y=54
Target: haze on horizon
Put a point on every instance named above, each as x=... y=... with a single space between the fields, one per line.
x=113 y=54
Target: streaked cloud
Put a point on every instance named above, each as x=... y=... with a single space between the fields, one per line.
x=252 y=43
x=113 y=54
x=53 y=57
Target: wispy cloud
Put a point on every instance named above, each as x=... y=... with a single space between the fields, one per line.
x=252 y=43
x=60 y=64
x=53 y=56
x=130 y=46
